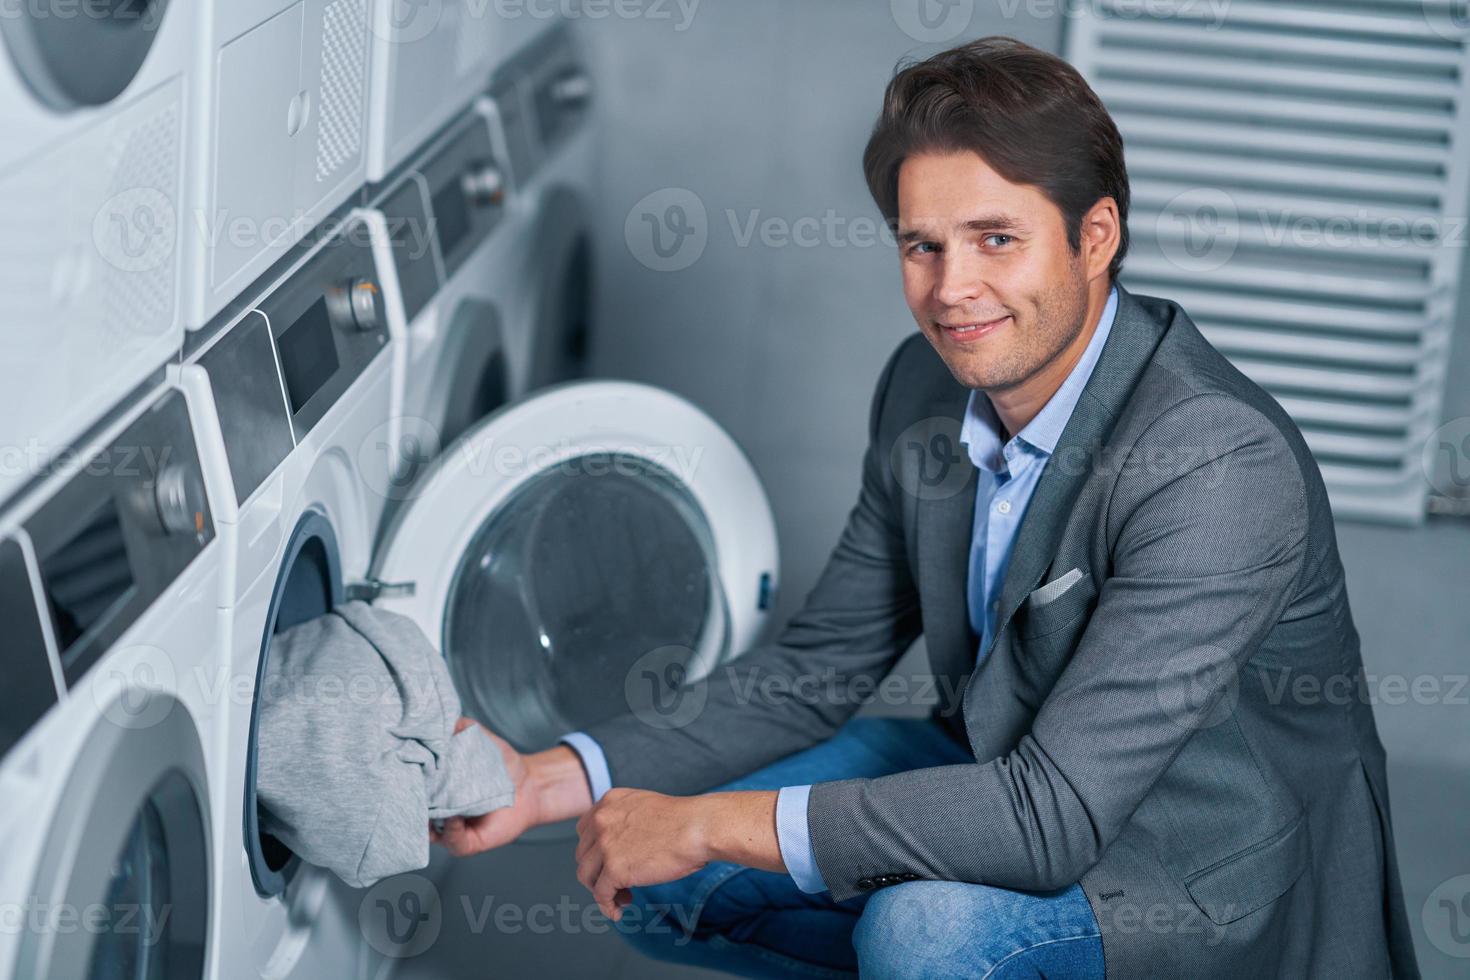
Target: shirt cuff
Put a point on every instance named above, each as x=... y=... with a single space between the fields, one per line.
x=593 y=761
x=795 y=839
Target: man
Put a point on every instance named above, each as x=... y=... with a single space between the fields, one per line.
x=1132 y=558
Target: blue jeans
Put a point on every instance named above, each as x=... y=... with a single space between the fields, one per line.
x=759 y=924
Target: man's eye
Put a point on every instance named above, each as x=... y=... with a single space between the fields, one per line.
x=923 y=248
x=1008 y=239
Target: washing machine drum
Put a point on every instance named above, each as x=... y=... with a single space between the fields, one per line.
x=584 y=554
x=87 y=58
x=569 y=584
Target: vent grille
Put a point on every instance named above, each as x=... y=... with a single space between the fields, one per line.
x=1299 y=178
x=344 y=61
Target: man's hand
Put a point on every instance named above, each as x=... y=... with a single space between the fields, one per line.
x=550 y=786
x=635 y=837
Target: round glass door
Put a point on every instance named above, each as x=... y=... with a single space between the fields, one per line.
x=580 y=554
x=583 y=572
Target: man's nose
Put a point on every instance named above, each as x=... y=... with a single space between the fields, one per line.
x=960 y=281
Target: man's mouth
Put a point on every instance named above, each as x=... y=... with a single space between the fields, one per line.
x=974 y=330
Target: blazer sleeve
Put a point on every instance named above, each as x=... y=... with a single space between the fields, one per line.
x=777 y=699
x=1203 y=564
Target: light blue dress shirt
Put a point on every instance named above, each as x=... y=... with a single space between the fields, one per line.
x=1008 y=472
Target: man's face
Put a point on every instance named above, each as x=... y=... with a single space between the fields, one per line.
x=987 y=271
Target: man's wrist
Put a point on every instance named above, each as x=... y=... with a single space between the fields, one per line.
x=740 y=827
x=559 y=784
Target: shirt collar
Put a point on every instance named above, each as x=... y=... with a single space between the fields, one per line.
x=980 y=431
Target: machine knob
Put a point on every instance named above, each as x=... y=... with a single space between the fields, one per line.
x=572 y=90
x=354 y=305
x=484 y=185
x=178 y=493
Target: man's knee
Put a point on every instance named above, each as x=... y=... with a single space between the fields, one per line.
x=945 y=928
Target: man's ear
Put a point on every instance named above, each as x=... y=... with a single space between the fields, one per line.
x=1101 y=234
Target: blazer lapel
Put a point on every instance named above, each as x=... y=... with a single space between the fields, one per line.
x=1130 y=345
x=944 y=526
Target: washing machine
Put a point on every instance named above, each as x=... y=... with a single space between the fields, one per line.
x=456 y=268
x=576 y=555
x=301 y=388
x=279 y=136
x=428 y=63
x=539 y=103
x=94 y=101
x=107 y=577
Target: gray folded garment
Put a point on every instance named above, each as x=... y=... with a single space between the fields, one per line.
x=356 y=745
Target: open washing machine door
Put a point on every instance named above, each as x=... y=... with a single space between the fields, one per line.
x=573 y=546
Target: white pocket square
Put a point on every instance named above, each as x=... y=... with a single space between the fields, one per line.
x=1053 y=589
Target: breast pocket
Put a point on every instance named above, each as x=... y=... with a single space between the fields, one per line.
x=1057 y=606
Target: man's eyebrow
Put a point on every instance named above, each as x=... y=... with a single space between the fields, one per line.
x=988 y=222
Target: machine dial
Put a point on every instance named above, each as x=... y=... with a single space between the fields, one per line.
x=178 y=493
x=354 y=305
x=484 y=184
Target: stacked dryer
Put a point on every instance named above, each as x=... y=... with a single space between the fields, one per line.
x=94 y=102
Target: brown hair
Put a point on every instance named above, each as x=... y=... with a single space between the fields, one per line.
x=1027 y=113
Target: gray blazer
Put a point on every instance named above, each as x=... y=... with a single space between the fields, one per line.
x=1170 y=712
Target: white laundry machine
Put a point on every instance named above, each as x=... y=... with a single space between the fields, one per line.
x=301 y=384
x=279 y=135
x=576 y=555
x=540 y=101
x=107 y=577
x=455 y=266
x=94 y=101
x=429 y=61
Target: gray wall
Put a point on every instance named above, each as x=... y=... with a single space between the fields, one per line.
x=760 y=108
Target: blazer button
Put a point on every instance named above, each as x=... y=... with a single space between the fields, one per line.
x=910 y=876
x=865 y=884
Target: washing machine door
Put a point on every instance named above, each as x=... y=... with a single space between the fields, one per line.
x=571 y=547
x=126 y=868
x=85 y=59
